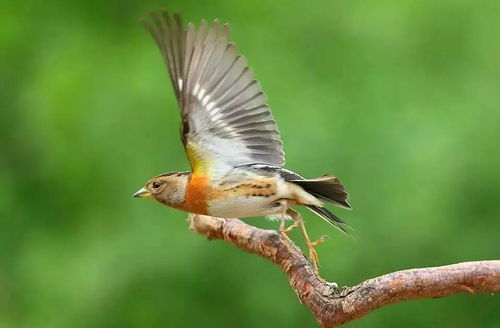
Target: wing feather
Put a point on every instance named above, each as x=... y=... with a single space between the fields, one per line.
x=225 y=119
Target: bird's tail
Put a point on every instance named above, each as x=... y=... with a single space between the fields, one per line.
x=329 y=189
x=326 y=188
x=329 y=217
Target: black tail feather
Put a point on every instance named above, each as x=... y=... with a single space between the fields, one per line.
x=327 y=188
x=329 y=217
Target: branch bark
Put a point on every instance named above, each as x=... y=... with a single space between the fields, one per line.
x=332 y=306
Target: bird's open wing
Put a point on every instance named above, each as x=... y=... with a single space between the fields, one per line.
x=225 y=119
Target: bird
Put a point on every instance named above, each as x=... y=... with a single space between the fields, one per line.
x=230 y=137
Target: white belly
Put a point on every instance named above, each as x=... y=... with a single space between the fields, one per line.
x=241 y=206
x=238 y=207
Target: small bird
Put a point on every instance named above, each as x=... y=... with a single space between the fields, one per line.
x=230 y=137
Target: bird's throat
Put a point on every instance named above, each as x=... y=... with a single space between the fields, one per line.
x=197 y=190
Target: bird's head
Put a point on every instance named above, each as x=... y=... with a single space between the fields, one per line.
x=168 y=188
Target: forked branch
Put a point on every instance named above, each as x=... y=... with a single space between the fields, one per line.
x=332 y=306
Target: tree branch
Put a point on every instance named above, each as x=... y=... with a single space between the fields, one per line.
x=333 y=307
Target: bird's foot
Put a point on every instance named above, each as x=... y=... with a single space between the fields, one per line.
x=321 y=240
x=284 y=233
x=284 y=230
x=299 y=222
x=290 y=228
x=313 y=255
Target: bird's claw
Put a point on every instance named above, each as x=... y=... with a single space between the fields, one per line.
x=313 y=255
x=321 y=240
x=290 y=228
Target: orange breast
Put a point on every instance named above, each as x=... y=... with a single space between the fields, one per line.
x=197 y=192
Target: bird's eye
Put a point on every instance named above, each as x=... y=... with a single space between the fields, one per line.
x=156 y=184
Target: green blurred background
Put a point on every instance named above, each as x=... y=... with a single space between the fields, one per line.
x=400 y=99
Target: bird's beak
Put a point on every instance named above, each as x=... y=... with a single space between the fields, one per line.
x=143 y=193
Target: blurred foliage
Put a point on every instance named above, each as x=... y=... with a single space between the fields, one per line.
x=400 y=99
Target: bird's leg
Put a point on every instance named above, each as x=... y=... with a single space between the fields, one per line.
x=287 y=212
x=313 y=256
x=282 y=224
x=283 y=221
x=283 y=229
